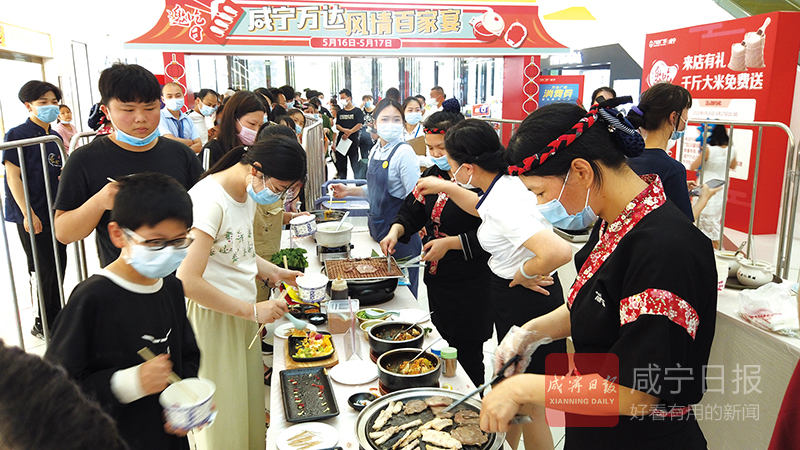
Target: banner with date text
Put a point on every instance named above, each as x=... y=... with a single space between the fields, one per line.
x=349 y=28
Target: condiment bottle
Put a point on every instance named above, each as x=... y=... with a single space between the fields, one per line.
x=339 y=289
x=449 y=358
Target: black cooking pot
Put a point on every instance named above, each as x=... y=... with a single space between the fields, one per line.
x=371 y=293
x=393 y=381
x=379 y=345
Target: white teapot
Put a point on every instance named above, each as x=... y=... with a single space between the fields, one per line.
x=754 y=273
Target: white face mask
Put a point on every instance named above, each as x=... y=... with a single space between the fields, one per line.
x=466 y=185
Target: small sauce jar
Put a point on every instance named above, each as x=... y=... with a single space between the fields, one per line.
x=450 y=361
x=339 y=290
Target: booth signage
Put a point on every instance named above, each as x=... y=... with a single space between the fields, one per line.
x=21 y=40
x=352 y=28
x=560 y=89
x=738 y=70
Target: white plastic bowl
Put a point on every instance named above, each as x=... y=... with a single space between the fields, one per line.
x=312 y=287
x=181 y=409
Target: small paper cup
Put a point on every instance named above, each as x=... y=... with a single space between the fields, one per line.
x=185 y=411
x=312 y=287
x=722 y=274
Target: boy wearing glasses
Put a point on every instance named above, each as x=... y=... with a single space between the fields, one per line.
x=132 y=303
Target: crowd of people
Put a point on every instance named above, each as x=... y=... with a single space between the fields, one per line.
x=189 y=203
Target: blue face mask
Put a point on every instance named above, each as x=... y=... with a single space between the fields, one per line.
x=678 y=134
x=557 y=215
x=441 y=162
x=368 y=104
x=207 y=110
x=390 y=132
x=174 y=104
x=297 y=129
x=134 y=141
x=413 y=118
x=263 y=197
x=155 y=263
x=47 y=113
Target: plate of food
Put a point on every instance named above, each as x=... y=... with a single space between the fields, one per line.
x=314 y=346
x=308 y=436
x=287 y=329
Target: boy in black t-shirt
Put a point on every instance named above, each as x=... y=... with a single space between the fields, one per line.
x=41 y=100
x=135 y=302
x=349 y=121
x=130 y=99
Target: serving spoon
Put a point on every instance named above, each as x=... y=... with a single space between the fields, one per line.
x=421 y=319
x=342 y=220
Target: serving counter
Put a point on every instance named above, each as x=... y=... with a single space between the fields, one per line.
x=749 y=370
x=344 y=423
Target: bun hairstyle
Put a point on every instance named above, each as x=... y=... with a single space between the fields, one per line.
x=473 y=141
x=657 y=104
x=439 y=122
x=561 y=132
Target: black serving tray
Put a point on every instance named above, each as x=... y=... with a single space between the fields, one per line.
x=297 y=342
x=314 y=405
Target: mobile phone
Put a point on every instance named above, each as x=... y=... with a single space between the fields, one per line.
x=712 y=184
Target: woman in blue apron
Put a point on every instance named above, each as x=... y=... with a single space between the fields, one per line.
x=392 y=174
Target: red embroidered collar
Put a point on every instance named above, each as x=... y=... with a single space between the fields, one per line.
x=647 y=201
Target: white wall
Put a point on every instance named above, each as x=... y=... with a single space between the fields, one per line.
x=626 y=22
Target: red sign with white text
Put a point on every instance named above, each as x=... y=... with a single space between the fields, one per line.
x=360 y=28
x=738 y=70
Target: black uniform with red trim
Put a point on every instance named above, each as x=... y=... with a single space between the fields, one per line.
x=646 y=292
x=458 y=284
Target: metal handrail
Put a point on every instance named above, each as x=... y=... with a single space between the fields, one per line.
x=314 y=143
x=789 y=202
x=20 y=145
x=79 y=246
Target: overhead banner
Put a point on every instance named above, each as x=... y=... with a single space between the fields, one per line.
x=349 y=28
x=740 y=70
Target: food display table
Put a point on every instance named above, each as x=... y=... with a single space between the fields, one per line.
x=749 y=369
x=344 y=423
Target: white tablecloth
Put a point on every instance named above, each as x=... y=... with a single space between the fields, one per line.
x=759 y=364
x=345 y=421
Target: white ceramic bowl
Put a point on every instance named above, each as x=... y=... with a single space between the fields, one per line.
x=181 y=409
x=327 y=236
x=303 y=226
x=733 y=261
x=366 y=325
x=312 y=287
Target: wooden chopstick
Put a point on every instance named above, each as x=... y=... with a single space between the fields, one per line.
x=173 y=377
x=261 y=328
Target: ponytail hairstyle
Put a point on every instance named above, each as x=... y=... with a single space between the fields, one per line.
x=280 y=157
x=236 y=106
x=474 y=141
x=440 y=122
x=550 y=138
x=657 y=104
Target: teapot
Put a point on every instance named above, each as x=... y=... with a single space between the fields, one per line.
x=732 y=258
x=754 y=272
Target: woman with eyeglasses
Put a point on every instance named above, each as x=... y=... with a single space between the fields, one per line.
x=219 y=278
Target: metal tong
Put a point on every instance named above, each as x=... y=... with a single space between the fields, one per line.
x=499 y=377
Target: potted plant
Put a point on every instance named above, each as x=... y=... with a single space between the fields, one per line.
x=295 y=258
